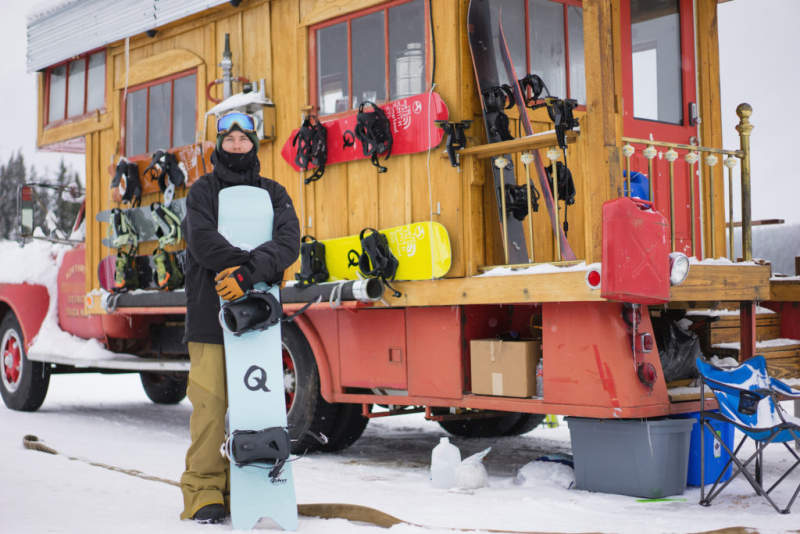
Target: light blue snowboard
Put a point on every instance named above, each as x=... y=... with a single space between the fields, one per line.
x=245 y=220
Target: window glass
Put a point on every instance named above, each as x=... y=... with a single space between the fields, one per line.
x=77 y=87
x=160 y=113
x=577 y=72
x=513 y=14
x=656 y=47
x=369 y=58
x=96 y=91
x=184 y=114
x=136 y=123
x=58 y=92
x=407 y=49
x=548 y=54
x=332 y=86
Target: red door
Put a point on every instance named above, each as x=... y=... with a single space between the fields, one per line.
x=659 y=96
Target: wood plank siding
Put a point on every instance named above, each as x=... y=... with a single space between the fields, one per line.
x=270 y=41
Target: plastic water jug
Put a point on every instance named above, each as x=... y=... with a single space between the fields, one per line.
x=445 y=458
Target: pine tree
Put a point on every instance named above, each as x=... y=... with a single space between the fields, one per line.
x=65 y=206
x=64 y=209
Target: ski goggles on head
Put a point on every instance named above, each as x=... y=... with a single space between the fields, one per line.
x=244 y=121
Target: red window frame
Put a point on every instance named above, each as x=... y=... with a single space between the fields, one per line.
x=312 y=54
x=146 y=86
x=564 y=4
x=48 y=72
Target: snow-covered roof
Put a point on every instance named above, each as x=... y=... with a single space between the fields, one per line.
x=61 y=29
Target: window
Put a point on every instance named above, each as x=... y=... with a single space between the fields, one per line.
x=161 y=114
x=376 y=54
x=76 y=87
x=656 y=50
x=545 y=37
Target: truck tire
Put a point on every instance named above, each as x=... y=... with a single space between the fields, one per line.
x=350 y=424
x=526 y=423
x=482 y=427
x=24 y=383
x=308 y=413
x=164 y=388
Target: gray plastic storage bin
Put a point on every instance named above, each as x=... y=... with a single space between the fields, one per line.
x=631 y=457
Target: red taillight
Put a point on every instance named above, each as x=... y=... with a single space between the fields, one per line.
x=27 y=193
x=632 y=313
x=593 y=279
x=645 y=342
x=647 y=374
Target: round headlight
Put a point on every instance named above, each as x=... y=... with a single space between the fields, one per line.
x=678 y=268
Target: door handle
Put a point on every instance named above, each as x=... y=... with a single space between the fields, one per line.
x=694 y=116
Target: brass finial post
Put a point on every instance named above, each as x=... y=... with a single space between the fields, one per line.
x=671 y=156
x=745 y=128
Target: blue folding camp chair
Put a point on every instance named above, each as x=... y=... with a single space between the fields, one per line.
x=748 y=398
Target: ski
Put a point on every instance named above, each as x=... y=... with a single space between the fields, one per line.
x=261 y=480
x=558 y=231
x=493 y=103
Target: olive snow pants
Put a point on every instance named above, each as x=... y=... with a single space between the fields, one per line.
x=206 y=480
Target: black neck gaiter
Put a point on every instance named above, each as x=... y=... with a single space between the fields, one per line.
x=236 y=169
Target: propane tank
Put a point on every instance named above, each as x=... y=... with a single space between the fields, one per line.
x=410 y=67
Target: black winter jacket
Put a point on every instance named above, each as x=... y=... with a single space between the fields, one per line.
x=209 y=253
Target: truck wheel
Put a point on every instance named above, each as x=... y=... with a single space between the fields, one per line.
x=526 y=423
x=164 y=388
x=307 y=412
x=482 y=427
x=350 y=424
x=24 y=382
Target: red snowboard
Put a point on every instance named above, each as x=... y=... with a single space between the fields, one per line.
x=411 y=131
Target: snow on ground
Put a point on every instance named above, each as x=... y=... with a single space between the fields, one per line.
x=108 y=419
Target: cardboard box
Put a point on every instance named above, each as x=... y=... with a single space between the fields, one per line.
x=504 y=368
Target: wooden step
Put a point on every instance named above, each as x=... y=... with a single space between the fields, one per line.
x=782 y=355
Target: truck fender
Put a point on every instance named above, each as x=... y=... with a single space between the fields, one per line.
x=320 y=354
x=29 y=302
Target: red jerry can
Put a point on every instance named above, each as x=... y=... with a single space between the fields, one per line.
x=636 y=241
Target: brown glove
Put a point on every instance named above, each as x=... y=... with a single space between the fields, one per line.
x=233 y=282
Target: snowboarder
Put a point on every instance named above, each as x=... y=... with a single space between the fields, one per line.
x=215 y=268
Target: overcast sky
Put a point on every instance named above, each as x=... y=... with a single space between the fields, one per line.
x=759 y=42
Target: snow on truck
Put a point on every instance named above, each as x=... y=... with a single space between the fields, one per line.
x=541 y=174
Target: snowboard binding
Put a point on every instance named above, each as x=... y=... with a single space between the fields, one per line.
x=312 y=262
x=312 y=147
x=456 y=139
x=377 y=259
x=256 y=310
x=125 y=184
x=248 y=447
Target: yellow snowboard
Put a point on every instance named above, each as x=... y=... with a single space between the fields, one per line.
x=422 y=250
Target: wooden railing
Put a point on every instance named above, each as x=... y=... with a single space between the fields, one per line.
x=524 y=146
x=699 y=158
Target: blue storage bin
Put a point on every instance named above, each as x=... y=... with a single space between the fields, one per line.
x=716 y=456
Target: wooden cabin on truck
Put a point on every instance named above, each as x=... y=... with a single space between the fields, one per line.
x=126 y=78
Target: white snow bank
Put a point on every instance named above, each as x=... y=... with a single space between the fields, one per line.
x=539 y=474
x=542 y=268
x=37 y=263
x=768 y=343
x=721 y=312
